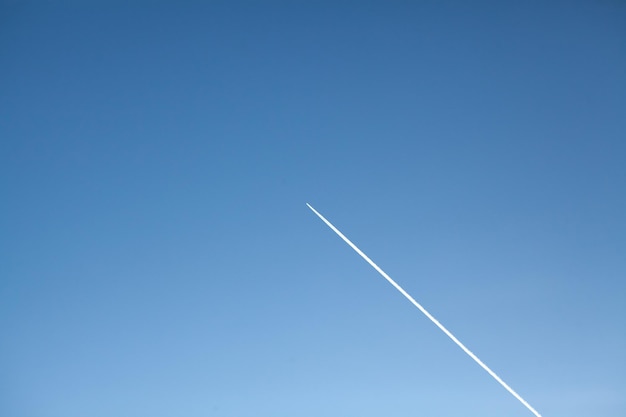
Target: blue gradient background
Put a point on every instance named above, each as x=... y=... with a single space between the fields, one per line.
x=158 y=259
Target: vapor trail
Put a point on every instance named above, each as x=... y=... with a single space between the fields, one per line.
x=426 y=313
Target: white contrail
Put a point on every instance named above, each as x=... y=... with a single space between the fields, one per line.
x=423 y=310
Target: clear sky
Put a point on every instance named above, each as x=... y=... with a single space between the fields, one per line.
x=157 y=257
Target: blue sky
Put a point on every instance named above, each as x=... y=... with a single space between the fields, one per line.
x=158 y=258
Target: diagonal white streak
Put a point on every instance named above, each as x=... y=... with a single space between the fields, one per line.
x=426 y=313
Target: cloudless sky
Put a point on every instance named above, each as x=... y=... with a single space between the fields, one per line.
x=157 y=257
